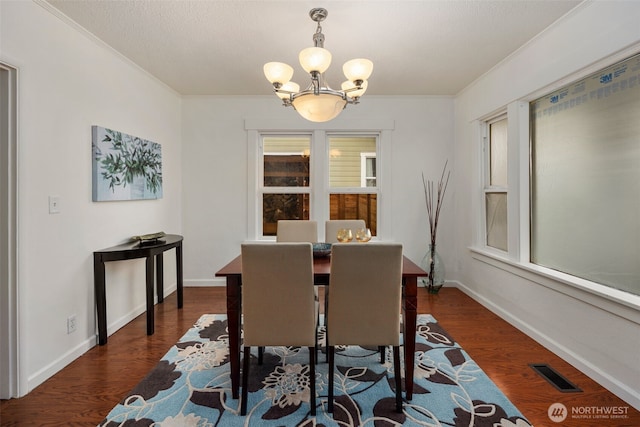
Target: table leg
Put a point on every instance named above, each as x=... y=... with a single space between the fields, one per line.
x=160 y=276
x=234 y=309
x=179 y=273
x=101 y=298
x=410 y=310
x=149 y=274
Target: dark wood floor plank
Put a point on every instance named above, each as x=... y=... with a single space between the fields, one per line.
x=84 y=392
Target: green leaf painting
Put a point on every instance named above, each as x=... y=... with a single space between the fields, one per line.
x=125 y=167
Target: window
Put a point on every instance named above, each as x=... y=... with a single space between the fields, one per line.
x=315 y=171
x=367 y=169
x=353 y=180
x=318 y=175
x=285 y=180
x=495 y=187
x=585 y=177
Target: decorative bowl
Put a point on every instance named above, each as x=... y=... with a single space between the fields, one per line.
x=321 y=249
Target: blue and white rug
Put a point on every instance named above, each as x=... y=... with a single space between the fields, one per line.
x=191 y=386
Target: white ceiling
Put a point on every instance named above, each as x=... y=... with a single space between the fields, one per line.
x=218 y=47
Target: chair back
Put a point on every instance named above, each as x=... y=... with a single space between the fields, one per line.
x=366 y=288
x=292 y=230
x=332 y=226
x=278 y=306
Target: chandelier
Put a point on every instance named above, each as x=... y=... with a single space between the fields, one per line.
x=318 y=102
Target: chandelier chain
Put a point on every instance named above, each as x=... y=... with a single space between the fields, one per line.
x=318 y=37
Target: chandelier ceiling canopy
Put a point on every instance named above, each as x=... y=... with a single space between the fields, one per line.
x=318 y=102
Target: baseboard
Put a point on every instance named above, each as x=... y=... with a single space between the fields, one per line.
x=50 y=370
x=199 y=283
x=87 y=344
x=610 y=383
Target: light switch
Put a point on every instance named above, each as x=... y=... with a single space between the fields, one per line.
x=54 y=204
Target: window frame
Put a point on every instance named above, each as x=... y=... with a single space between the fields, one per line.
x=517 y=260
x=354 y=190
x=364 y=156
x=264 y=190
x=488 y=188
x=319 y=178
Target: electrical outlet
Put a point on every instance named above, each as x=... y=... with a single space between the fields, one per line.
x=71 y=324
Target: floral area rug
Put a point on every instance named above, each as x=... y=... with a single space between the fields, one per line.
x=190 y=386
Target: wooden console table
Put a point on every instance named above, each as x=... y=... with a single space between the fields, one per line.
x=134 y=250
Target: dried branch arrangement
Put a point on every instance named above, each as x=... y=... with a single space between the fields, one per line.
x=434 y=213
x=434 y=196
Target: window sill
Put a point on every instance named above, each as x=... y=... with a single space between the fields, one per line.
x=617 y=302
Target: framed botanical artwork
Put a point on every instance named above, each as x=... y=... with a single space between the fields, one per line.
x=125 y=167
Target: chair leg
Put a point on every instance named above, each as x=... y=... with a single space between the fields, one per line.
x=245 y=380
x=398 y=374
x=312 y=379
x=326 y=304
x=330 y=354
x=326 y=321
x=383 y=353
x=260 y=354
x=315 y=349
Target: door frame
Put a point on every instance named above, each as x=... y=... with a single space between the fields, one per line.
x=9 y=350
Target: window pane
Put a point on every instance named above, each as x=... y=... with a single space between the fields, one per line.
x=371 y=167
x=355 y=206
x=345 y=162
x=585 y=217
x=286 y=161
x=369 y=177
x=498 y=153
x=496 y=216
x=282 y=206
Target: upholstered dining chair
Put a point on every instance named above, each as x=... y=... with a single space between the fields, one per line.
x=278 y=304
x=332 y=226
x=364 y=304
x=293 y=230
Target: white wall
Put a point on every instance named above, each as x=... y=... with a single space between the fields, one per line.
x=67 y=83
x=599 y=336
x=215 y=171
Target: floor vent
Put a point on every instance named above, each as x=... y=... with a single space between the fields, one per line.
x=554 y=378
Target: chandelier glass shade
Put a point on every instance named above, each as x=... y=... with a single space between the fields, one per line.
x=318 y=102
x=319 y=108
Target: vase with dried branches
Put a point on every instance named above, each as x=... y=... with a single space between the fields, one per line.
x=434 y=197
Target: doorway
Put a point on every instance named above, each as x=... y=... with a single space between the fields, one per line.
x=8 y=227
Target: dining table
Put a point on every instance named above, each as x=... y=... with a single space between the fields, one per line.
x=321 y=275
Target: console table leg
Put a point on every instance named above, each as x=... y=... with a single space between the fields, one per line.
x=101 y=298
x=160 y=276
x=179 y=273
x=149 y=274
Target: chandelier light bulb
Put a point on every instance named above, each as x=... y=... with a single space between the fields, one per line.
x=315 y=59
x=357 y=69
x=287 y=89
x=278 y=72
x=349 y=87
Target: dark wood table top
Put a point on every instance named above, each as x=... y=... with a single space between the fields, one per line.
x=321 y=267
x=133 y=249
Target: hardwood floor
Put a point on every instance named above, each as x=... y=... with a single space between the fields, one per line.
x=85 y=391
